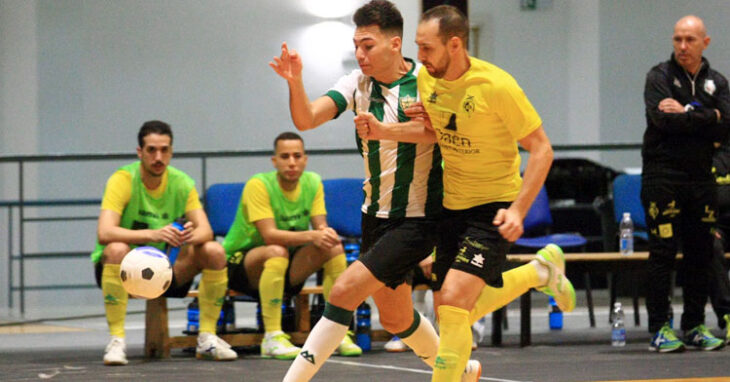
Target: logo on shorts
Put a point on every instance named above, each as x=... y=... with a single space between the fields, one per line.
x=478 y=260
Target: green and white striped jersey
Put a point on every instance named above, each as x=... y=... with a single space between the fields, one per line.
x=401 y=179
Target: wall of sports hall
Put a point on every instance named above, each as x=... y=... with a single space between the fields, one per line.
x=80 y=76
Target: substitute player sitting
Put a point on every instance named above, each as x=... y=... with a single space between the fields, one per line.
x=140 y=202
x=271 y=248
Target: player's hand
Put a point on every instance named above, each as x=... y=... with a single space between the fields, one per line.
x=168 y=234
x=367 y=126
x=671 y=105
x=288 y=65
x=509 y=223
x=187 y=233
x=326 y=238
x=427 y=266
x=418 y=112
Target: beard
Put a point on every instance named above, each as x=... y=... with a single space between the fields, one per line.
x=439 y=68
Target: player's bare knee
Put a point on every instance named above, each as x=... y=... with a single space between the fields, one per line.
x=215 y=255
x=396 y=322
x=336 y=251
x=341 y=296
x=115 y=252
x=274 y=250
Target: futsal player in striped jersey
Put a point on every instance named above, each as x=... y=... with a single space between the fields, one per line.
x=403 y=189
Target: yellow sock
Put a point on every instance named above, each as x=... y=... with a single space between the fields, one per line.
x=455 y=345
x=516 y=282
x=332 y=270
x=271 y=292
x=115 y=299
x=211 y=293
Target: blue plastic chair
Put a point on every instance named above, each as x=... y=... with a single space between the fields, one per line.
x=221 y=203
x=343 y=198
x=627 y=198
x=539 y=219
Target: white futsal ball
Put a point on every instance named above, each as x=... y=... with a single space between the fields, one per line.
x=146 y=272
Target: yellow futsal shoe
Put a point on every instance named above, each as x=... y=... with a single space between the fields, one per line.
x=558 y=286
x=348 y=348
x=277 y=345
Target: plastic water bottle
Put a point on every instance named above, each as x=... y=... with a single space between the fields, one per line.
x=618 y=330
x=352 y=252
x=193 y=317
x=626 y=230
x=555 y=315
x=172 y=252
x=362 y=331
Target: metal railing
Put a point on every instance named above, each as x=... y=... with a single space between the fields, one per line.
x=21 y=204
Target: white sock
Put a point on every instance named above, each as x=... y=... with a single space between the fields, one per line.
x=424 y=341
x=321 y=342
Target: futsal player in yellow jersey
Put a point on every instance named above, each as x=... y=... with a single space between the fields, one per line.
x=140 y=202
x=479 y=114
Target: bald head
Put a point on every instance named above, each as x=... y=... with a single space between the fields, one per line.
x=690 y=40
x=691 y=22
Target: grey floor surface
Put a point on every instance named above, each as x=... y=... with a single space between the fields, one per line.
x=575 y=353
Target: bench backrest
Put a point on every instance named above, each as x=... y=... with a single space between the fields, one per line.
x=221 y=202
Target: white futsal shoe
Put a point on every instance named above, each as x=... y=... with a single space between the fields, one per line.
x=211 y=347
x=116 y=352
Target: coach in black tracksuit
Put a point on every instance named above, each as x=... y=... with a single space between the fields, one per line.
x=686 y=107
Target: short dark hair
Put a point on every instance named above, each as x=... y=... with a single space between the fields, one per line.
x=382 y=13
x=452 y=22
x=153 y=127
x=287 y=136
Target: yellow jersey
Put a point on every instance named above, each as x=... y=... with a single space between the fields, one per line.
x=478 y=119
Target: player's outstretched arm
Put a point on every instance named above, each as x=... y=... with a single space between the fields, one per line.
x=413 y=131
x=538 y=164
x=305 y=114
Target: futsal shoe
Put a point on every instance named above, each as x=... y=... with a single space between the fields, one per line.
x=395 y=345
x=472 y=372
x=558 y=286
x=348 y=348
x=211 y=347
x=116 y=352
x=701 y=338
x=665 y=341
x=277 y=345
x=727 y=328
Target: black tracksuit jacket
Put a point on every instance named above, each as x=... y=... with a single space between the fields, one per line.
x=678 y=147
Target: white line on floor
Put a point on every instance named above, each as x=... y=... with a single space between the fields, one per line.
x=421 y=371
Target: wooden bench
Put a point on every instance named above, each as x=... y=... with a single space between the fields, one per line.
x=157 y=334
x=587 y=262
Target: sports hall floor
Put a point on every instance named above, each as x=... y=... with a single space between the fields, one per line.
x=71 y=350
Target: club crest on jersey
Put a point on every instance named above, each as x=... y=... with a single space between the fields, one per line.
x=406 y=102
x=469 y=105
x=677 y=83
x=432 y=97
x=710 y=87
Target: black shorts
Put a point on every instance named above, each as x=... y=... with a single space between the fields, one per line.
x=173 y=291
x=391 y=248
x=238 y=279
x=469 y=242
